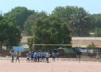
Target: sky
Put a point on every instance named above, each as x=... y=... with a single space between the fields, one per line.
x=91 y=6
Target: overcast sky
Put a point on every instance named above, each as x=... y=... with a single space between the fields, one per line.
x=91 y=6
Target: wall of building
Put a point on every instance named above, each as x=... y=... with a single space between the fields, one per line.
x=86 y=41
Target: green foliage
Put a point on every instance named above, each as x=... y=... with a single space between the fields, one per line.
x=30 y=43
x=97 y=23
x=9 y=33
x=50 y=30
x=1 y=17
x=78 y=20
x=97 y=32
x=28 y=27
x=97 y=18
x=19 y=16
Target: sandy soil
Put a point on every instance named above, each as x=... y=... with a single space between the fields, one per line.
x=57 y=66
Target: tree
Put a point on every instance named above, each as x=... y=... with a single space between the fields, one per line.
x=30 y=43
x=50 y=30
x=2 y=33
x=32 y=19
x=13 y=36
x=10 y=35
x=1 y=17
x=19 y=15
x=97 y=23
x=78 y=20
x=97 y=18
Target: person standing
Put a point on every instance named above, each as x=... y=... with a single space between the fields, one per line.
x=53 y=56
x=47 y=57
x=18 y=56
x=28 y=55
x=32 y=57
x=12 y=55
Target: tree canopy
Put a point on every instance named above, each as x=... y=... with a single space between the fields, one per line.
x=19 y=15
x=10 y=35
x=78 y=20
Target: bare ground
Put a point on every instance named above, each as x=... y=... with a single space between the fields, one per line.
x=57 y=66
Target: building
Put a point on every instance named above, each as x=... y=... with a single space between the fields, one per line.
x=86 y=41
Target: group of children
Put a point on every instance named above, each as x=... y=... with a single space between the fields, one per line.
x=34 y=56
x=38 y=56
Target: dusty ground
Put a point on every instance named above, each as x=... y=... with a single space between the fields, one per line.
x=58 y=66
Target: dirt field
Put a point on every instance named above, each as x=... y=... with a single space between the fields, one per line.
x=58 y=66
